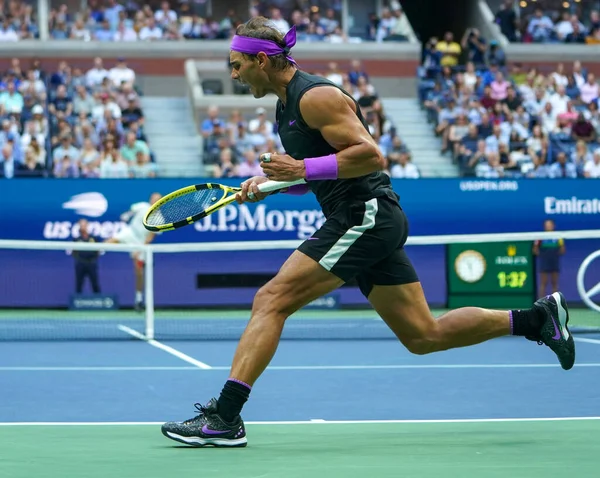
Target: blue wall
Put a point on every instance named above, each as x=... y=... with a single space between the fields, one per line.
x=49 y=209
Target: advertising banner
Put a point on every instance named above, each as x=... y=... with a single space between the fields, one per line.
x=50 y=209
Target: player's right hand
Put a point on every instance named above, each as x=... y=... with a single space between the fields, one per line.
x=251 y=185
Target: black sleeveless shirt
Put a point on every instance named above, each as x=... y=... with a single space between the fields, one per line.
x=300 y=142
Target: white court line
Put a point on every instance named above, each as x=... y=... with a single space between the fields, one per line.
x=94 y=369
x=297 y=367
x=321 y=422
x=165 y=348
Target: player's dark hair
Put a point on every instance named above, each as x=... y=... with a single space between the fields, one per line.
x=263 y=29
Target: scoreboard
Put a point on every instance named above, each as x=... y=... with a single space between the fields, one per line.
x=492 y=275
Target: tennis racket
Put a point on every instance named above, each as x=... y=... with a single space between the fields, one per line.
x=192 y=203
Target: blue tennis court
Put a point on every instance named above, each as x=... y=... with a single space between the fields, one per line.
x=308 y=380
x=87 y=399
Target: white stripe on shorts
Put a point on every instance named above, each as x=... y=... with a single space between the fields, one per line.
x=351 y=236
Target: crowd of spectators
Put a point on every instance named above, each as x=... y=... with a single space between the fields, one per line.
x=118 y=20
x=500 y=121
x=552 y=21
x=233 y=143
x=72 y=123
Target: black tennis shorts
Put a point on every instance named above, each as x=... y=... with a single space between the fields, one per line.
x=364 y=241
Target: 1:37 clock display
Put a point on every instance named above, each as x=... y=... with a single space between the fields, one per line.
x=491 y=275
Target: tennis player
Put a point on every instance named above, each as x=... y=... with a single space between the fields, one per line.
x=135 y=233
x=328 y=143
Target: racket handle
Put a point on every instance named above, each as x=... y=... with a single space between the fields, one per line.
x=270 y=186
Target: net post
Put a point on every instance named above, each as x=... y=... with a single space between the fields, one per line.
x=149 y=292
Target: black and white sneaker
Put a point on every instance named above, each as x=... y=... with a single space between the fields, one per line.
x=207 y=429
x=555 y=331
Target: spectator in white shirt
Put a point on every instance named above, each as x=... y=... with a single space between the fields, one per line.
x=165 y=15
x=334 y=74
x=38 y=85
x=260 y=124
x=105 y=104
x=278 y=21
x=560 y=78
x=7 y=32
x=30 y=133
x=527 y=90
x=402 y=167
x=592 y=166
x=96 y=75
x=151 y=31
x=80 y=32
x=120 y=73
x=565 y=26
x=125 y=33
x=111 y=164
x=559 y=101
x=492 y=142
x=589 y=91
x=547 y=119
x=578 y=73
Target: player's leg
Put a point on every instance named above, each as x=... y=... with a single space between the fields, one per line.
x=397 y=296
x=93 y=268
x=406 y=312
x=126 y=236
x=79 y=276
x=300 y=280
x=392 y=286
x=138 y=269
x=320 y=265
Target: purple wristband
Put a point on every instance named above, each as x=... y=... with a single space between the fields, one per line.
x=297 y=190
x=324 y=167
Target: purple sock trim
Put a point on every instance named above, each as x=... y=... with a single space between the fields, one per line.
x=510 y=317
x=297 y=190
x=324 y=167
x=240 y=382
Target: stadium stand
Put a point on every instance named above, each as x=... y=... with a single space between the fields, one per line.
x=551 y=21
x=93 y=123
x=70 y=123
x=88 y=115
x=500 y=120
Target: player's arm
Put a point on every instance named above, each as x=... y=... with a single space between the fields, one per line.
x=150 y=238
x=328 y=110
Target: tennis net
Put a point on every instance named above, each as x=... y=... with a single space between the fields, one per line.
x=204 y=291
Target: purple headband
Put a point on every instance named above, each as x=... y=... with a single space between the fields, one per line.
x=252 y=46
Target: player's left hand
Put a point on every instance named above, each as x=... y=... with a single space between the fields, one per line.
x=282 y=167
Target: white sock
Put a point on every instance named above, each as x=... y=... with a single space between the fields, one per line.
x=138 y=296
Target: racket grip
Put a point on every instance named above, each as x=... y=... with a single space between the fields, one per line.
x=270 y=186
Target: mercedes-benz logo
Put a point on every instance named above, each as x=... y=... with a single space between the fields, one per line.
x=588 y=295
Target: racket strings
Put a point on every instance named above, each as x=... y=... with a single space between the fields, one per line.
x=184 y=206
